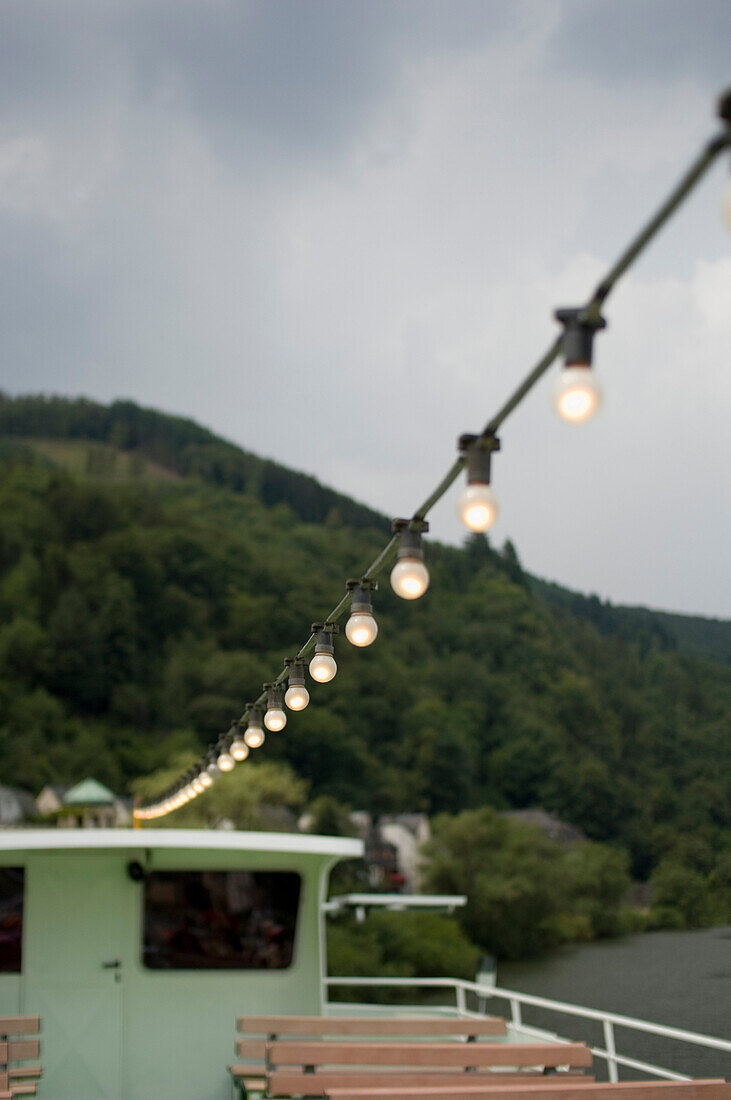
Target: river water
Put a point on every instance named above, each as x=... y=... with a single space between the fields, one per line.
x=680 y=979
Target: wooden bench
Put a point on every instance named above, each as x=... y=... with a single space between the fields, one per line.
x=313 y=1066
x=252 y=1075
x=18 y=1080
x=567 y=1090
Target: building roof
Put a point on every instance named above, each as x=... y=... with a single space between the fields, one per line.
x=59 y=792
x=23 y=840
x=89 y=792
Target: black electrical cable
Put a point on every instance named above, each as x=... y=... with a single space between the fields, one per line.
x=589 y=313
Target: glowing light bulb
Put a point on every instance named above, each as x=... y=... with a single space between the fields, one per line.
x=198 y=787
x=275 y=719
x=254 y=734
x=239 y=749
x=323 y=667
x=205 y=780
x=576 y=394
x=361 y=630
x=225 y=762
x=477 y=506
x=409 y=578
x=254 y=737
x=297 y=697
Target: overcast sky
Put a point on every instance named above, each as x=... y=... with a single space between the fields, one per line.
x=334 y=231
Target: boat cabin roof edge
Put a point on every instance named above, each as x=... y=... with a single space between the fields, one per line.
x=25 y=840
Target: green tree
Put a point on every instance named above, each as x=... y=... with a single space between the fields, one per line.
x=510 y=873
x=685 y=891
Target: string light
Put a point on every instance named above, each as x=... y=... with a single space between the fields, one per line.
x=361 y=628
x=323 y=666
x=477 y=505
x=225 y=761
x=238 y=747
x=576 y=397
x=275 y=719
x=409 y=576
x=297 y=696
x=254 y=735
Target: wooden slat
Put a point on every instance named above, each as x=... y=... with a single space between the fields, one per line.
x=247 y=1075
x=428 y=1054
x=252 y=1048
x=291 y=1083
x=20 y=1025
x=25 y=1071
x=628 y=1090
x=18 y=1049
x=372 y=1025
x=28 y=1089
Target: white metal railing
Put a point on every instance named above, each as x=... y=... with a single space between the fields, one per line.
x=609 y=1020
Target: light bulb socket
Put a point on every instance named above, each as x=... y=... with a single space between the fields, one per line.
x=255 y=715
x=324 y=637
x=477 y=451
x=724 y=107
x=275 y=696
x=578 y=337
x=360 y=596
x=296 y=672
x=409 y=532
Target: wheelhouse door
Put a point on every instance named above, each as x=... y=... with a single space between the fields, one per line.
x=73 y=970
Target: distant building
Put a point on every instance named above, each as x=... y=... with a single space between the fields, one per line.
x=407 y=832
x=15 y=806
x=87 y=805
x=50 y=800
x=392 y=848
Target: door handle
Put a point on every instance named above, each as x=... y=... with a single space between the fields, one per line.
x=112 y=964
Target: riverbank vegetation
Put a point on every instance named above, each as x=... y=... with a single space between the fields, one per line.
x=152 y=577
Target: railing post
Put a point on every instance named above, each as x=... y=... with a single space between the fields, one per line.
x=461 y=1000
x=611 y=1051
x=515 y=1016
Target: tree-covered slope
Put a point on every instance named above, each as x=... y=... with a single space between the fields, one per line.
x=182 y=447
x=124 y=441
x=139 y=616
x=705 y=637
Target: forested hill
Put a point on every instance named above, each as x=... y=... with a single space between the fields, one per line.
x=139 y=612
x=182 y=447
x=696 y=634
x=156 y=443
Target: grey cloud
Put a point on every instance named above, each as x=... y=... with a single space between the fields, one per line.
x=643 y=40
x=169 y=241
x=294 y=77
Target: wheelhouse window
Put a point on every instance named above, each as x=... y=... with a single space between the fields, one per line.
x=220 y=920
x=11 y=919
